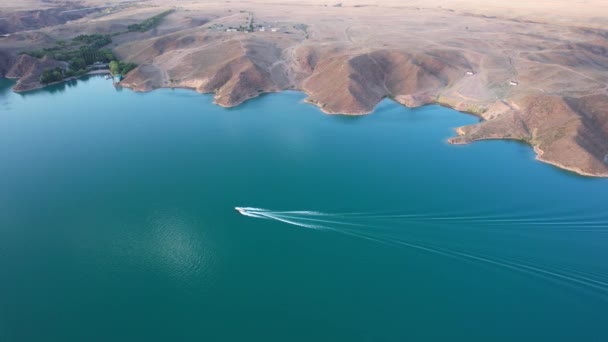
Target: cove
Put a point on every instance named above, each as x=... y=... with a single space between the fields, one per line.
x=117 y=222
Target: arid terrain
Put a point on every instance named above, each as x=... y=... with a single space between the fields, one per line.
x=535 y=72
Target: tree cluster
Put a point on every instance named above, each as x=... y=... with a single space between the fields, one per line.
x=94 y=41
x=118 y=67
x=86 y=49
x=51 y=75
x=149 y=23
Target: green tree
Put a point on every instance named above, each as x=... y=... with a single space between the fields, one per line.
x=51 y=75
x=121 y=67
x=114 y=67
x=78 y=63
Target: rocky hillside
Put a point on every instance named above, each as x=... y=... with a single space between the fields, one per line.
x=28 y=69
x=541 y=82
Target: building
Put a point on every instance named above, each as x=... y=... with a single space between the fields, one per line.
x=99 y=65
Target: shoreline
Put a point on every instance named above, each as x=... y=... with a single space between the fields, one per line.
x=538 y=155
x=73 y=78
x=458 y=130
x=538 y=152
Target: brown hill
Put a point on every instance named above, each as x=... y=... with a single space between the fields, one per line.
x=535 y=72
x=568 y=132
x=28 y=69
x=35 y=19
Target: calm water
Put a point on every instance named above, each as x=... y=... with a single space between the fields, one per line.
x=117 y=223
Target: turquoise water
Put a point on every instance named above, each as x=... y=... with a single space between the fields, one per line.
x=117 y=223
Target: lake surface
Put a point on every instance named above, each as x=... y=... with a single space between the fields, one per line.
x=117 y=223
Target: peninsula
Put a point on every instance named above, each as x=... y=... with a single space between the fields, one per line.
x=534 y=72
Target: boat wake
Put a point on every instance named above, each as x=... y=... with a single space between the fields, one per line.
x=410 y=230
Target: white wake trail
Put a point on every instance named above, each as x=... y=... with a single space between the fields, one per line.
x=592 y=283
x=250 y=214
x=310 y=226
x=318 y=220
x=303 y=212
x=573 y=221
x=531 y=218
x=251 y=209
x=291 y=218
